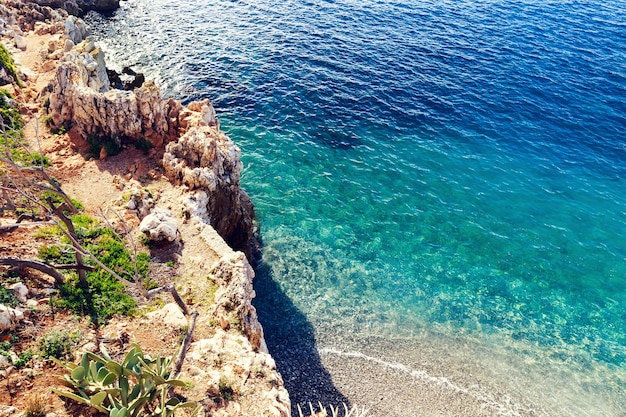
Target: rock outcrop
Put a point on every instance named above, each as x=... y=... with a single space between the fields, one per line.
x=230 y=369
x=80 y=7
x=80 y=97
x=199 y=156
x=17 y=17
x=231 y=360
x=208 y=163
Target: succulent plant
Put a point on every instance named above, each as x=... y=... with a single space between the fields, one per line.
x=138 y=386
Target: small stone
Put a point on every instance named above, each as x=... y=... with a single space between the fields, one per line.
x=69 y=45
x=20 y=291
x=169 y=314
x=7 y=410
x=9 y=318
x=20 y=42
x=48 y=66
x=4 y=362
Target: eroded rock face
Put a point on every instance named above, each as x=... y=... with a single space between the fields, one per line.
x=76 y=30
x=80 y=7
x=24 y=15
x=80 y=97
x=206 y=161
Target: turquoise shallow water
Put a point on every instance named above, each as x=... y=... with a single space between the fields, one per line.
x=426 y=170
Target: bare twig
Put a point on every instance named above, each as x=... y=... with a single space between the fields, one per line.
x=177 y=298
x=185 y=346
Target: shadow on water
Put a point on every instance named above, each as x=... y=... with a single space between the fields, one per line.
x=290 y=339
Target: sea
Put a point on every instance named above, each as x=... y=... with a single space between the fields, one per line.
x=440 y=186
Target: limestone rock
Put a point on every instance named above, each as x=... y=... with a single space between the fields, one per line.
x=206 y=161
x=24 y=15
x=243 y=370
x=76 y=30
x=80 y=7
x=20 y=42
x=234 y=275
x=170 y=314
x=4 y=362
x=160 y=225
x=20 y=291
x=80 y=96
x=9 y=318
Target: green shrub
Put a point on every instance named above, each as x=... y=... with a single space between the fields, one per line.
x=7 y=297
x=6 y=61
x=105 y=296
x=11 y=116
x=226 y=390
x=58 y=343
x=24 y=358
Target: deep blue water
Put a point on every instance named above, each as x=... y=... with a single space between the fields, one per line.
x=425 y=166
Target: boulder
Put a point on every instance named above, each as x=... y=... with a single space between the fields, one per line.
x=9 y=318
x=20 y=42
x=76 y=30
x=20 y=291
x=170 y=314
x=160 y=225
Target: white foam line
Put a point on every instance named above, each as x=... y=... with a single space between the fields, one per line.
x=424 y=376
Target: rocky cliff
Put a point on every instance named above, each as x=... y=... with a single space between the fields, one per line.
x=209 y=212
x=198 y=155
x=80 y=7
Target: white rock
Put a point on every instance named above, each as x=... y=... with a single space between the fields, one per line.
x=160 y=225
x=4 y=362
x=75 y=29
x=7 y=410
x=20 y=291
x=9 y=318
x=20 y=42
x=170 y=314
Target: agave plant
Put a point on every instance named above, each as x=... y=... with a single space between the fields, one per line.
x=138 y=386
x=353 y=411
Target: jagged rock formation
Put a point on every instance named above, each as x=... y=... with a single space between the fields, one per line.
x=18 y=16
x=81 y=97
x=203 y=159
x=234 y=356
x=208 y=163
x=229 y=356
x=80 y=7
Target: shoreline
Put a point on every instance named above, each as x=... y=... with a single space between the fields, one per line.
x=356 y=373
x=228 y=345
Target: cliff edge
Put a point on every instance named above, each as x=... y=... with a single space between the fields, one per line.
x=176 y=178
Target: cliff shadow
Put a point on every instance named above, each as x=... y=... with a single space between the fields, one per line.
x=290 y=338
